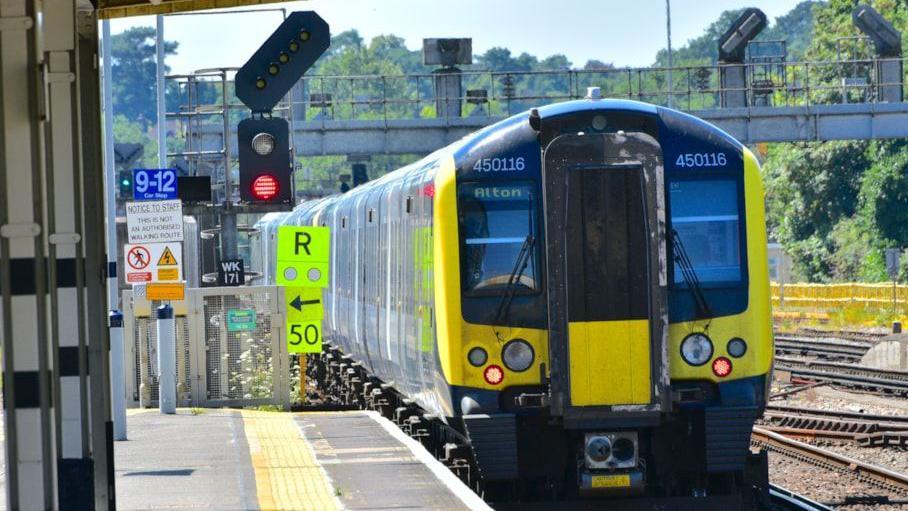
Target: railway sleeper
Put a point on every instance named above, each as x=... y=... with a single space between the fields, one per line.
x=884 y=439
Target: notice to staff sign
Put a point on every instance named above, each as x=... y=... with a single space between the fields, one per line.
x=154 y=221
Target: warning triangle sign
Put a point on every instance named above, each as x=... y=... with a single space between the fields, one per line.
x=167 y=258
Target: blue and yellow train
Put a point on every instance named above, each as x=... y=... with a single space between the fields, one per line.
x=578 y=295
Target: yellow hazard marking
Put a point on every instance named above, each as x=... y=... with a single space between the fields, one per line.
x=168 y=274
x=167 y=258
x=287 y=475
x=611 y=481
x=164 y=291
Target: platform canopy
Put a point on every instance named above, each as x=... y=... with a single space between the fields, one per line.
x=126 y=8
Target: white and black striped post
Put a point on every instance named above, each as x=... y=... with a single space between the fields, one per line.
x=167 y=381
x=51 y=259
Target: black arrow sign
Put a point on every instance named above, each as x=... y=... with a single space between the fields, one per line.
x=297 y=303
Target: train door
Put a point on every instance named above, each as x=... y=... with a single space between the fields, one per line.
x=606 y=274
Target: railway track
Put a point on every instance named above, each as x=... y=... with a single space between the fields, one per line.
x=785 y=500
x=880 y=381
x=874 y=475
x=849 y=335
x=863 y=429
x=848 y=351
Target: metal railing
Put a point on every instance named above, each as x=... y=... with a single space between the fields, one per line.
x=498 y=94
x=412 y=96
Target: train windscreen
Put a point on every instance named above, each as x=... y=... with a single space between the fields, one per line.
x=497 y=228
x=709 y=230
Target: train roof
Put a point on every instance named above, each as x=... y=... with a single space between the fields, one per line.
x=584 y=105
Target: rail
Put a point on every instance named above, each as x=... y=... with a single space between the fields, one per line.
x=871 y=474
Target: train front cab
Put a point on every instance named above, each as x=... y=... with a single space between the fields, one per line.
x=610 y=404
x=606 y=281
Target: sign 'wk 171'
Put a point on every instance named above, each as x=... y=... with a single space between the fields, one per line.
x=302 y=268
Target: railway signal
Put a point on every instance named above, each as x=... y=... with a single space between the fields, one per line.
x=280 y=62
x=264 y=157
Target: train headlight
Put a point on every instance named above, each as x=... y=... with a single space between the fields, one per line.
x=696 y=349
x=518 y=355
x=736 y=347
x=623 y=449
x=477 y=356
x=263 y=144
x=599 y=449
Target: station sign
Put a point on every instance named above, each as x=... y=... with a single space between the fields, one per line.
x=154 y=221
x=231 y=272
x=154 y=184
x=302 y=256
x=153 y=262
x=174 y=291
x=305 y=311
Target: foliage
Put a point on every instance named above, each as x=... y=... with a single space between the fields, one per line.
x=133 y=68
x=836 y=206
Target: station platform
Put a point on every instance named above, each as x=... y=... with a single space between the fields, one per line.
x=244 y=459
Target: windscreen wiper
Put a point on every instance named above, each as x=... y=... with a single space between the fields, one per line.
x=520 y=265
x=690 y=275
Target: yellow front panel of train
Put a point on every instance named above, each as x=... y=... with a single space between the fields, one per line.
x=610 y=362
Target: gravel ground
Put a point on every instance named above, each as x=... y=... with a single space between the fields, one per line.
x=833 y=488
x=827 y=487
x=826 y=397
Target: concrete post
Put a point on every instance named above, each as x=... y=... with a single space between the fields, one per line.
x=448 y=92
x=733 y=79
x=167 y=384
x=117 y=376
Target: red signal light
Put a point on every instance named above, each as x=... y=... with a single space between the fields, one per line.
x=722 y=367
x=493 y=374
x=265 y=187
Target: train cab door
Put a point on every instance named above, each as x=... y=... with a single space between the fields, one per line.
x=606 y=277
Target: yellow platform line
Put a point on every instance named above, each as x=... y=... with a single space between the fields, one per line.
x=287 y=475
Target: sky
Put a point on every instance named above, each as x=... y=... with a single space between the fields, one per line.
x=623 y=32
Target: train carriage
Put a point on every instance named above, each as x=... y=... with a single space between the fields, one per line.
x=579 y=293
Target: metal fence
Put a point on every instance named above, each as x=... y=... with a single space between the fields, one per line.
x=488 y=93
x=230 y=348
x=830 y=296
x=496 y=94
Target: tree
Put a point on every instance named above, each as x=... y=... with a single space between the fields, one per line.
x=133 y=69
x=836 y=206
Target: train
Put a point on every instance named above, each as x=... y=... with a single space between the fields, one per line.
x=572 y=303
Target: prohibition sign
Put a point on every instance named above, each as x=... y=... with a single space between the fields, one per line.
x=138 y=258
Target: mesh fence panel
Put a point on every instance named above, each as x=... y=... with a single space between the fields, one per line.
x=145 y=334
x=239 y=359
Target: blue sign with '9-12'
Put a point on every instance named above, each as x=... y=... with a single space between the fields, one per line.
x=154 y=184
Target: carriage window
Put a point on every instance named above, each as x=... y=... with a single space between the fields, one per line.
x=496 y=222
x=705 y=215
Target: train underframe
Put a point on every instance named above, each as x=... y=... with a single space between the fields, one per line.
x=671 y=471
